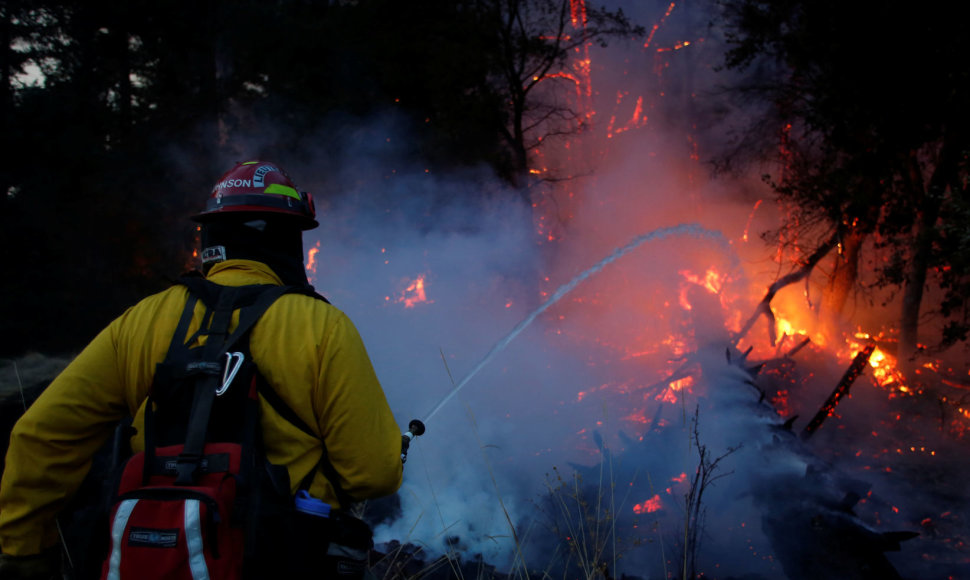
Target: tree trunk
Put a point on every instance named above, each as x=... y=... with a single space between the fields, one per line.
x=914 y=284
x=945 y=176
x=845 y=272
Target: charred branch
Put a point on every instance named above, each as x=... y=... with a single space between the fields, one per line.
x=798 y=347
x=842 y=389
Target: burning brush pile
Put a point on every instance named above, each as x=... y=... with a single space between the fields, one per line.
x=722 y=432
x=798 y=455
x=765 y=450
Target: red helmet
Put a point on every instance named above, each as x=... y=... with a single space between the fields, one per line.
x=258 y=187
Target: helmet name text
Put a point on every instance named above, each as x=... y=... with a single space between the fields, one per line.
x=234 y=183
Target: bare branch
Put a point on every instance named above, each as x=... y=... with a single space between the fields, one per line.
x=764 y=307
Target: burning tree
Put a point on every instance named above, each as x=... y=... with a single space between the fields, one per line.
x=867 y=157
x=536 y=45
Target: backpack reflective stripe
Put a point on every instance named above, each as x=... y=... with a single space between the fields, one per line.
x=118 y=536
x=193 y=540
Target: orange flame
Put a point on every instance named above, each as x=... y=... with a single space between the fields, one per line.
x=311 y=259
x=747 y=226
x=657 y=26
x=414 y=293
x=637 y=120
x=669 y=394
x=713 y=282
x=653 y=504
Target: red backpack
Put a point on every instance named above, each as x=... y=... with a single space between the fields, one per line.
x=202 y=501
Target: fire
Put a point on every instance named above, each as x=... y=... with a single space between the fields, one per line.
x=669 y=394
x=676 y=46
x=637 y=120
x=657 y=26
x=638 y=416
x=577 y=12
x=796 y=323
x=747 y=226
x=651 y=505
x=884 y=371
x=311 y=259
x=414 y=293
x=713 y=280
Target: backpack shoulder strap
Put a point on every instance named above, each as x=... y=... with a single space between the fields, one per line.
x=203 y=289
x=324 y=465
x=217 y=344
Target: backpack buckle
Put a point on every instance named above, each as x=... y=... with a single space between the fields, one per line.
x=202 y=367
x=186 y=468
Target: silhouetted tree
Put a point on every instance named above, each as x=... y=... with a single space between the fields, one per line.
x=871 y=131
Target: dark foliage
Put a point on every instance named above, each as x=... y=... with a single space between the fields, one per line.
x=869 y=129
x=116 y=119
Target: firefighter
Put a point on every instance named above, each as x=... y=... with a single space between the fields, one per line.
x=308 y=351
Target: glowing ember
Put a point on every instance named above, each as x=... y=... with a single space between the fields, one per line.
x=747 y=226
x=637 y=120
x=884 y=371
x=638 y=416
x=577 y=12
x=657 y=26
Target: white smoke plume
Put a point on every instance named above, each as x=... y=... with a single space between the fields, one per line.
x=485 y=459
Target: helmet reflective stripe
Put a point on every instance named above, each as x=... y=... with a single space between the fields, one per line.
x=282 y=190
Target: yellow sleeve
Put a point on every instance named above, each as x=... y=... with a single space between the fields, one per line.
x=360 y=432
x=52 y=444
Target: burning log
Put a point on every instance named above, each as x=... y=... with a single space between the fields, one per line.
x=842 y=389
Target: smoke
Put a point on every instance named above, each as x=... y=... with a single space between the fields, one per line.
x=561 y=395
x=588 y=389
x=486 y=462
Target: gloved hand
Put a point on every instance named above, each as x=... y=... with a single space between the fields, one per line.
x=45 y=566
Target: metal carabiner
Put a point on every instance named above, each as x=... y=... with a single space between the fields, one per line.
x=229 y=373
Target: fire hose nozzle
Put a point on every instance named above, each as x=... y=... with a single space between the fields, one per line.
x=415 y=429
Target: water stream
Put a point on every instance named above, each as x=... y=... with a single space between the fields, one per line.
x=693 y=230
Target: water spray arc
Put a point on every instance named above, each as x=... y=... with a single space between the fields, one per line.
x=693 y=230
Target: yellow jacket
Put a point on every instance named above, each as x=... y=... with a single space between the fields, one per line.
x=308 y=351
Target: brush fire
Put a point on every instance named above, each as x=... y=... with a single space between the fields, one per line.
x=688 y=406
x=710 y=414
